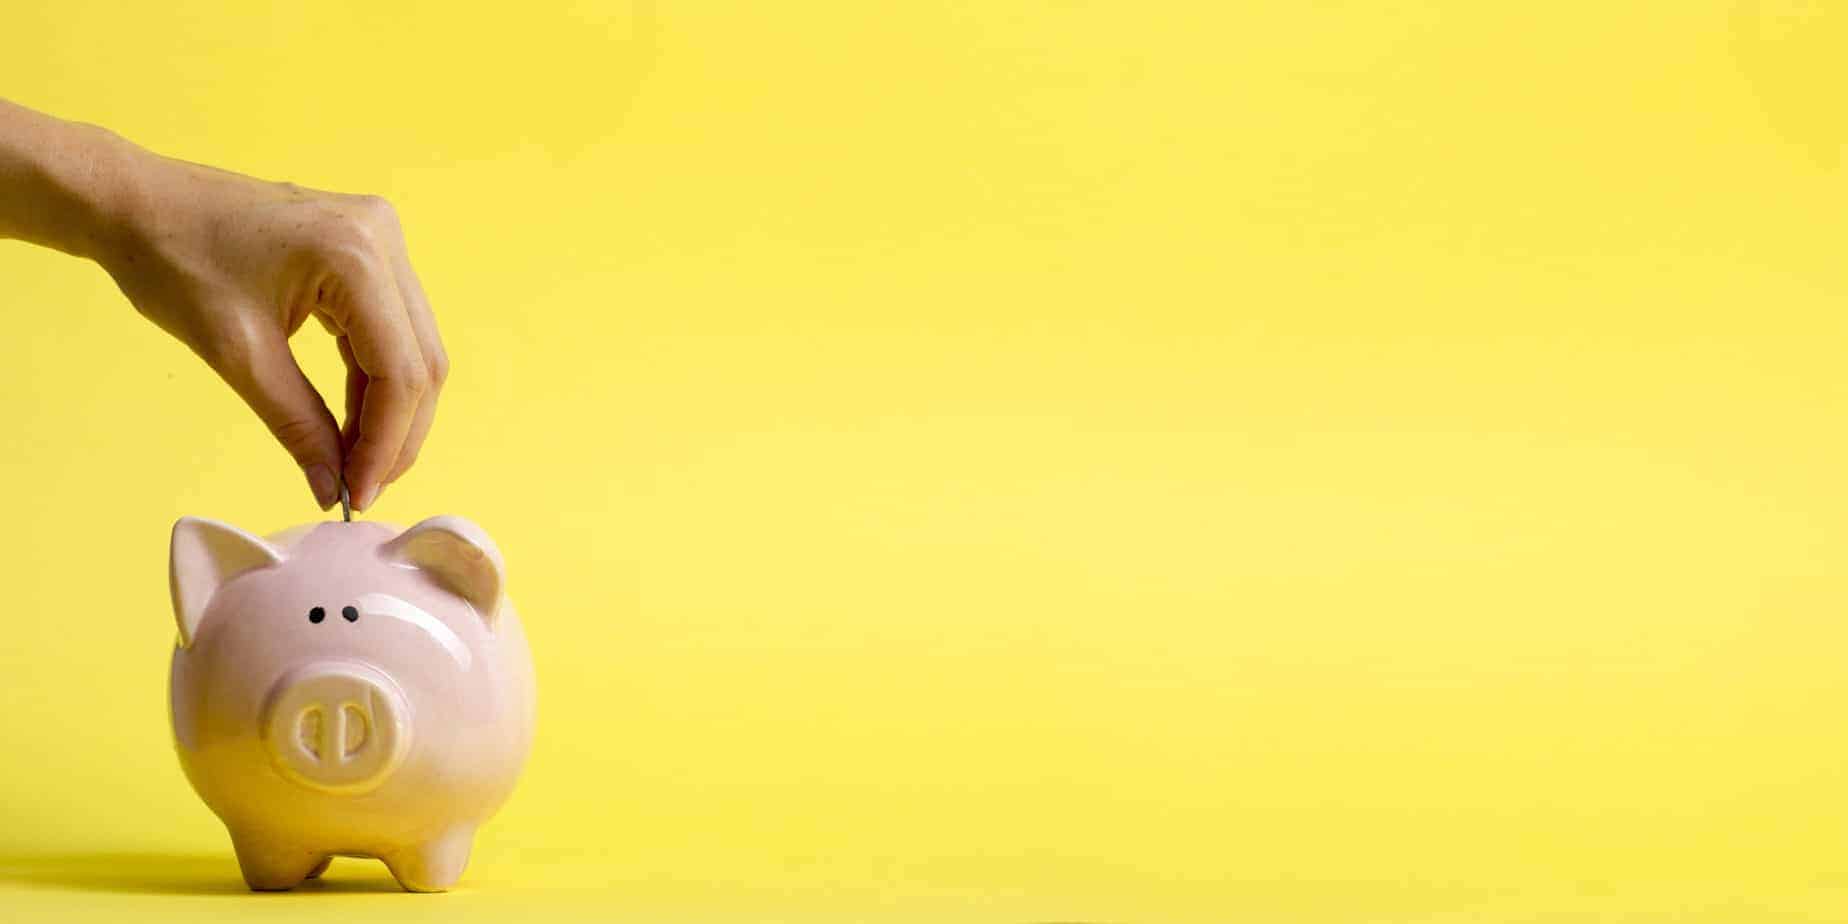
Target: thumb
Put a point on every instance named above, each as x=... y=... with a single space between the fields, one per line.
x=264 y=373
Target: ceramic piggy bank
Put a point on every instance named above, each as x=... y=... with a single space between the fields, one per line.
x=348 y=689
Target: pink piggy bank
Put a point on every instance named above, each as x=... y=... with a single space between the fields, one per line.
x=348 y=689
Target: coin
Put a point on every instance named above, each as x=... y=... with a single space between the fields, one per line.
x=346 y=502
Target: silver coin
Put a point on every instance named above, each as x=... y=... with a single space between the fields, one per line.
x=346 y=503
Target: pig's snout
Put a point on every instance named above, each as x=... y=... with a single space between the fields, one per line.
x=339 y=727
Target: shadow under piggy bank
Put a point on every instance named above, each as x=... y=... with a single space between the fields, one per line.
x=166 y=874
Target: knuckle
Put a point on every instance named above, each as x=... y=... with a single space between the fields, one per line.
x=348 y=251
x=410 y=381
x=417 y=380
x=297 y=434
x=439 y=369
x=378 y=210
x=347 y=242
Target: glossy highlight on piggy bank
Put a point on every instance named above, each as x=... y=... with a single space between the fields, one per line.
x=348 y=689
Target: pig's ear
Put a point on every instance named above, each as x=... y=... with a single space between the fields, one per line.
x=459 y=556
x=206 y=554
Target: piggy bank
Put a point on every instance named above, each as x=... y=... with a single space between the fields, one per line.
x=348 y=689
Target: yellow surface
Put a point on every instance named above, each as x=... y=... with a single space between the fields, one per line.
x=1017 y=461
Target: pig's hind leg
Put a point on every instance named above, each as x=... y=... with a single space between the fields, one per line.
x=270 y=865
x=432 y=866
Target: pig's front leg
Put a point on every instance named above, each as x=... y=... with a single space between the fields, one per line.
x=271 y=865
x=435 y=865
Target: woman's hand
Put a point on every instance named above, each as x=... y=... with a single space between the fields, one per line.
x=232 y=266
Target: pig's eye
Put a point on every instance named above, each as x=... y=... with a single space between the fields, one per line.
x=349 y=614
x=317 y=614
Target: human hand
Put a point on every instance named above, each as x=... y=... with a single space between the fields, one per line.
x=232 y=266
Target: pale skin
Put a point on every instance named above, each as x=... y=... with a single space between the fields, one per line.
x=232 y=266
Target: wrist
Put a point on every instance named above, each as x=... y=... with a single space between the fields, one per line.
x=108 y=201
x=60 y=181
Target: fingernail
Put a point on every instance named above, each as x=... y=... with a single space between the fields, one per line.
x=325 y=486
x=364 y=497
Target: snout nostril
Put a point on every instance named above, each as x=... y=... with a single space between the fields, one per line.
x=355 y=729
x=308 y=727
x=350 y=614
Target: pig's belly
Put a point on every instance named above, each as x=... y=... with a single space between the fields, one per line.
x=423 y=798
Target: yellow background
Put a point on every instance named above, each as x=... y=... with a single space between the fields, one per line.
x=1016 y=461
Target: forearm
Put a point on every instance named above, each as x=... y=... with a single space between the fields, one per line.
x=64 y=185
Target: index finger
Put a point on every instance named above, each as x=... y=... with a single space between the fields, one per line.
x=386 y=348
